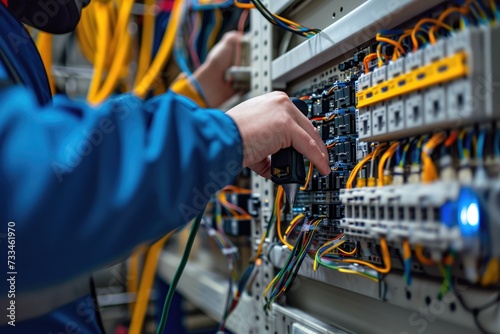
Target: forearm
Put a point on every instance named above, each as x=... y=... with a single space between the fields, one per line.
x=85 y=186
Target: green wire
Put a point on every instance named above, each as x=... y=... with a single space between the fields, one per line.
x=178 y=273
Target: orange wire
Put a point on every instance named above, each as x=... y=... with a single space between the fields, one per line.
x=243 y=5
x=309 y=176
x=397 y=45
x=236 y=189
x=419 y=253
x=443 y=16
x=451 y=139
x=371 y=56
x=419 y=25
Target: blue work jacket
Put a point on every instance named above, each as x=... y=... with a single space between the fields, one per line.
x=81 y=186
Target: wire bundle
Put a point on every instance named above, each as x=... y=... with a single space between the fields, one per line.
x=426 y=29
x=283 y=23
x=254 y=262
x=283 y=281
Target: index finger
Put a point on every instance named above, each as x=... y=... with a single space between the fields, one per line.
x=304 y=143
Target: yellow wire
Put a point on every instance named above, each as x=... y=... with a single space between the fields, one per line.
x=419 y=253
x=102 y=38
x=367 y=59
x=146 y=40
x=348 y=253
x=266 y=290
x=113 y=29
x=216 y=28
x=406 y=249
x=243 y=5
x=146 y=285
x=121 y=29
x=84 y=32
x=343 y=270
x=309 y=176
x=328 y=250
x=163 y=52
x=385 y=256
x=235 y=189
x=44 y=45
x=349 y=271
x=401 y=38
x=133 y=273
x=397 y=45
x=356 y=169
x=283 y=238
x=430 y=172
x=379 y=55
x=123 y=39
x=389 y=153
x=278 y=199
x=443 y=16
x=419 y=25
x=223 y=200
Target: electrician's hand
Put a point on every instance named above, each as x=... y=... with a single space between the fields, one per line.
x=211 y=74
x=271 y=122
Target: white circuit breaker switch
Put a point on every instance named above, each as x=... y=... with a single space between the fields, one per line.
x=463 y=101
x=379 y=119
x=396 y=114
x=435 y=97
x=414 y=103
x=435 y=52
x=414 y=110
x=396 y=68
x=435 y=104
x=365 y=123
x=490 y=83
x=379 y=75
x=364 y=82
x=361 y=149
x=414 y=60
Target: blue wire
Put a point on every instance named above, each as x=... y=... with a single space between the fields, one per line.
x=208 y=31
x=468 y=141
x=391 y=32
x=196 y=5
x=497 y=143
x=480 y=143
x=478 y=16
x=460 y=145
x=407 y=271
x=486 y=12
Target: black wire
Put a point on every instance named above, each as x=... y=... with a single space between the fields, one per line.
x=267 y=14
x=475 y=311
x=382 y=288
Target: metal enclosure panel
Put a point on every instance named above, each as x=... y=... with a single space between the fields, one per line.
x=207 y=291
x=351 y=31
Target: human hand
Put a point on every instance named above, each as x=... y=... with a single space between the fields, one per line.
x=211 y=74
x=271 y=122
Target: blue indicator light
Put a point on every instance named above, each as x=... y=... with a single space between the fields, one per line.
x=465 y=212
x=468 y=212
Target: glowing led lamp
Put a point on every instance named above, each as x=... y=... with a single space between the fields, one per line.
x=469 y=212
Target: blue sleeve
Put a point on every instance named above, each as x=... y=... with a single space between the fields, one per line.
x=85 y=185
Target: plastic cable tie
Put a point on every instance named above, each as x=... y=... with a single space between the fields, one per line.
x=228 y=251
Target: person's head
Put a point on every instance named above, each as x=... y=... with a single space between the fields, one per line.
x=53 y=16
